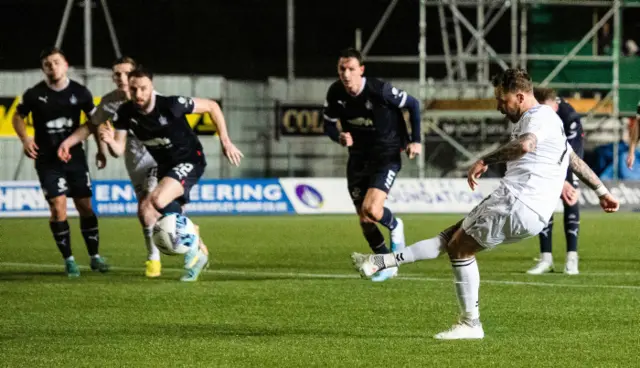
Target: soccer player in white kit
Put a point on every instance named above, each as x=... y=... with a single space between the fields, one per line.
x=537 y=159
x=138 y=161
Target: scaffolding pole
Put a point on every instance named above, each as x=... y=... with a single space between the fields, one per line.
x=379 y=26
x=422 y=49
x=523 y=36
x=616 y=86
x=518 y=55
x=290 y=40
x=514 y=33
x=480 y=24
x=88 y=44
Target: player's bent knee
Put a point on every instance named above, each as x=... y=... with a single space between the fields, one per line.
x=372 y=212
x=462 y=246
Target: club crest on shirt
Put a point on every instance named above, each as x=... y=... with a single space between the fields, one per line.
x=162 y=120
x=368 y=105
x=73 y=100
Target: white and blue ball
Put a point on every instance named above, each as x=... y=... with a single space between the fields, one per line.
x=175 y=234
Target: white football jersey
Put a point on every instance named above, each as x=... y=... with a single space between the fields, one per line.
x=109 y=104
x=537 y=178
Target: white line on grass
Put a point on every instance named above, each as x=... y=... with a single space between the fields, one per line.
x=303 y=275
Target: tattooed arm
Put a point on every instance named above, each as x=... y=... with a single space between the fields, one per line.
x=580 y=168
x=512 y=150
x=584 y=172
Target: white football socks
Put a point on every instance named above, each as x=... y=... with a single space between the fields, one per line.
x=467 y=282
x=425 y=249
x=153 y=254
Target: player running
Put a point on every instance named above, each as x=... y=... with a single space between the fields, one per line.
x=55 y=105
x=138 y=161
x=374 y=130
x=573 y=130
x=537 y=157
x=160 y=123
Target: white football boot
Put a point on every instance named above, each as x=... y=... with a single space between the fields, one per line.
x=462 y=330
x=544 y=265
x=571 y=265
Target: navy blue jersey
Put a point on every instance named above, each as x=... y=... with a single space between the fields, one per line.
x=373 y=117
x=572 y=125
x=56 y=115
x=164 y=131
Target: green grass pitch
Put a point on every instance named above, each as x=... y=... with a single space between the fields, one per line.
x=280 y=292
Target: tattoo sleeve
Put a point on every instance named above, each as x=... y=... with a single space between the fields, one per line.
x=512 y=150
x=582 y=171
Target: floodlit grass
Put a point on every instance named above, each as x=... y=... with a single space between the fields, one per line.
x=281 y=292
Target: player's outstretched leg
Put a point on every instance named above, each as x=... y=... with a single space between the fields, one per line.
x=571 y=229
x=545 y=263
x=461 y=249
x=369 y=264
x=61 y=233
x=196 y=260
x=90 y=233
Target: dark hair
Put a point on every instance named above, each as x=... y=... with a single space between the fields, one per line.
x=51 y=51
x=124 y=60
x=351 y=53
x=544 y=94
x=513 y=80
x=140 y=72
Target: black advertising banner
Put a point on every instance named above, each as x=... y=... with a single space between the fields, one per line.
x=299 y=120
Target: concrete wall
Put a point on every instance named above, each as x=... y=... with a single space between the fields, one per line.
x=249 y=109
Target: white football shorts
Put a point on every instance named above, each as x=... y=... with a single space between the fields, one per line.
x=502 y=218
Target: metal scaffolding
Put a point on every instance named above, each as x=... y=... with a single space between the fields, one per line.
x=478 y=50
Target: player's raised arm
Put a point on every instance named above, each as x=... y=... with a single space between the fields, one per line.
x=20 y=126
x=202 y=105
x=401 y=99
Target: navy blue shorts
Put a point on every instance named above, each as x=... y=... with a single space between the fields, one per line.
x=364 y=173
x=70 y=179
x=187 y=173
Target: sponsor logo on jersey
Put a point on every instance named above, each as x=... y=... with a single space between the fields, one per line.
x=158 y=142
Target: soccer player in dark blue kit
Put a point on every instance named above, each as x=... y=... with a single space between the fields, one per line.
x=55 y=105
x=160 y=123
x=374 y=130
x=574 y=132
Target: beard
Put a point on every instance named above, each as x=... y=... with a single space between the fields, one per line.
x=53 y=79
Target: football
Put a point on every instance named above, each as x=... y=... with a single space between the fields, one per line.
x=175 y=234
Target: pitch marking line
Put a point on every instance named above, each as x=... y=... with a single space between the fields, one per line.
x=303 y=275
